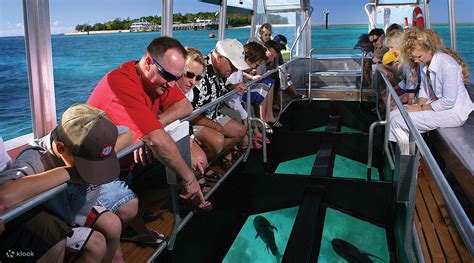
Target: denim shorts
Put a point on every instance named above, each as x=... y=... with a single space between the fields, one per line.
x=115 y=194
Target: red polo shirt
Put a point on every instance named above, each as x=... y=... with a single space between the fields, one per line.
x=122 y=96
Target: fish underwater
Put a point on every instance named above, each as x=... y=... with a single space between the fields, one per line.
x=265 y=230
x=351 y=253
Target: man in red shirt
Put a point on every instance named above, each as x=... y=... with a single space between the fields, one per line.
x=143 y=96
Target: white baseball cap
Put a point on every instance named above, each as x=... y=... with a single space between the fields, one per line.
x=234 y=51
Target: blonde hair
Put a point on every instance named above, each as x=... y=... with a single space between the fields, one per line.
x=393 y=39
x=194 y=55
x=426 y=39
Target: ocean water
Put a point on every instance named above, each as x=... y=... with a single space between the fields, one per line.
x=81 y=61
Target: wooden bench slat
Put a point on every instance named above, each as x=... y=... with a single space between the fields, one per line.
x=458 y=243
x=438 y=221
x=421 y=236
x=436 y=253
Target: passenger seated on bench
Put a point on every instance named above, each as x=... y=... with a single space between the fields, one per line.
x=364 y=44
x=194 y=69
x=443 y=99
x=254 y=55
x=406 y=87
x=79 y=151
x=266 y=107
x=376 y=37
x=143 y=96
x=264 y=34
x=216 y=131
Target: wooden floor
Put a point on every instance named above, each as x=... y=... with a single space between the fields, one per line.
x=438 y=235
x=133 y=252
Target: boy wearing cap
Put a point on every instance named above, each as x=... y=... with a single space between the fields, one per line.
x=80 y=151
x=226 y=58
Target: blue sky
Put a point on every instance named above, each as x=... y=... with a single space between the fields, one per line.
x=66 y=14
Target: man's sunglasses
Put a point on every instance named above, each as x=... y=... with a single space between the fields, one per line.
x=166 y=75
x=191 y=75
x=374 y=40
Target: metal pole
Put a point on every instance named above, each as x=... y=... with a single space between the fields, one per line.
x=452 y=24
x=427 y=14
x=167 y=18
x=39 y=57
x=371 y=146
x=222 y=19
x=253 y=23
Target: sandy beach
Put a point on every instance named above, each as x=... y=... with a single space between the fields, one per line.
x=98 y=32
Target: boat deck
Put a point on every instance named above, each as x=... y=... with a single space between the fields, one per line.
x=133 y=252
x=439 y=238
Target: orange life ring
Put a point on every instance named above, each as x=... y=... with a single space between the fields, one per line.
x=418 y=20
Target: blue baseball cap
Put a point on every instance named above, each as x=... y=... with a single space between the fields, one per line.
x=281 y=41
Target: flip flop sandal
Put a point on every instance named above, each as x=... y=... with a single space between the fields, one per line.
x=257 y=143
x=267 y=141
x=193 y=205
x=213 y=177
x=150 y=238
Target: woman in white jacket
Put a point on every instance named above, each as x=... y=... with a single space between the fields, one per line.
x=443 y=100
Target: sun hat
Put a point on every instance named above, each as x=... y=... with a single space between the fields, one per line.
x=90 y=135
x=234 y=51
x=390 y=57
x=281 y=41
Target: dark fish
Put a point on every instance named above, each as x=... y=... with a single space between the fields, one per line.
x=350 y=253
x=265 y=232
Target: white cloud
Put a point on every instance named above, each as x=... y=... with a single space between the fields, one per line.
x=19 y=25
x=56 y=23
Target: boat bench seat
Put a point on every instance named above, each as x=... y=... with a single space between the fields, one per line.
x=461 y=141
x=456 y=147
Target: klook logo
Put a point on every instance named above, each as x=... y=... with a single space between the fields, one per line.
x=11 y=254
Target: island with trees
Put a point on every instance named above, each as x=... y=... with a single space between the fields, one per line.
x=233 y=20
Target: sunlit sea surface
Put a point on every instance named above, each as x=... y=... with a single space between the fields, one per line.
x=81 y=61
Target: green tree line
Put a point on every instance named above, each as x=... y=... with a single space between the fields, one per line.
x=233 y=20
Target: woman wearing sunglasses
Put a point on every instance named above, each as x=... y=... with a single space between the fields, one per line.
x=194 y=69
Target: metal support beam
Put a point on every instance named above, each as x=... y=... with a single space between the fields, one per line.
x=253 y=23
x=427 y=14
x=39 y=58
x=452 y=24
x=222 y=19
x=167 y=18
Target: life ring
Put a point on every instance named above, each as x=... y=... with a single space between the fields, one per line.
x=418 y=20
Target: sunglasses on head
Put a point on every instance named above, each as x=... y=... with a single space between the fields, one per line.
x=191 y=75
x=164 y=73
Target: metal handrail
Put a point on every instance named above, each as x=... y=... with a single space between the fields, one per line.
x=371 y=146
x=459 y=216
x=300 y=32
x=362 y=57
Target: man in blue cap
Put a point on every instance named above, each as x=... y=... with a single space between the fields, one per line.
x=281 y=41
